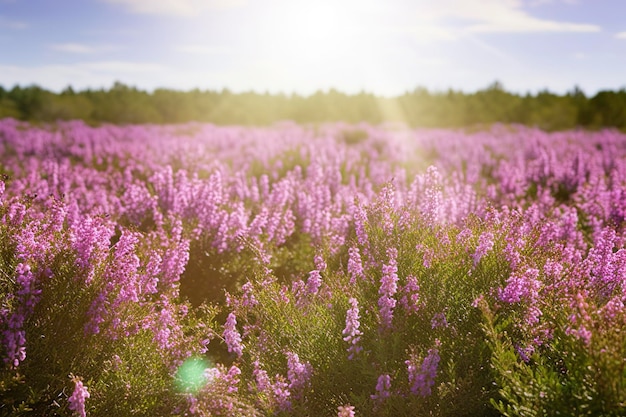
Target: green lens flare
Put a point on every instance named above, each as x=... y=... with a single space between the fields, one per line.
x=190 y=376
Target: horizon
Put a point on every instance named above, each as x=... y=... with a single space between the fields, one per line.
x=328 y=90
x=296 y=47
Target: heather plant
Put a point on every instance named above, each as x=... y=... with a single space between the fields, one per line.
x=73 y=305
x=320 y=270
x=393 y=332
x=566 y=357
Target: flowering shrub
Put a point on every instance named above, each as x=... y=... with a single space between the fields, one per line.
x=77 y=399
x=203 y=270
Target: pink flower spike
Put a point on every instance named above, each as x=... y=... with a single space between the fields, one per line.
x=77 y=399
x=232 y=336
x=345 y=411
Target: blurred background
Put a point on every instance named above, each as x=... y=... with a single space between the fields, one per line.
x=551 y=63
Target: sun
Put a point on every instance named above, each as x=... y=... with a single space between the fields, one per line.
x=307 y=31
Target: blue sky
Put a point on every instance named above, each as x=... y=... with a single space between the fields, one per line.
x=381 y=46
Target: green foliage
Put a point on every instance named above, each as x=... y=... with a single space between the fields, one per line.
x=123 y=104
x=124 y=368
x=564 y=376
x=287 y=319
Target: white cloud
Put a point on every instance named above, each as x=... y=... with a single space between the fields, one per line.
x=426 y=32
x=496 y=16
x=121 y=67
x=198 y=49
x=77 y=48
x=96 y=74
x=535 y=3
x=184 y=8
x=621 y=35
x=12 y=24
x=73 y=48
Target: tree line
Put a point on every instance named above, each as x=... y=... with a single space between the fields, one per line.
x=122 y=104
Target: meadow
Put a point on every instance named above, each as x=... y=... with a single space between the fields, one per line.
x=311 y=270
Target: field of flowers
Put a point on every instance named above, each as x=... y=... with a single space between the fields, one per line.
x=333 y=270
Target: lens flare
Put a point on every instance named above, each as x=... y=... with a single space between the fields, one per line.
x=191 y=376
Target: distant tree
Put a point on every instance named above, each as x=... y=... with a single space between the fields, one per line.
x=126 y=104
x=609 y=108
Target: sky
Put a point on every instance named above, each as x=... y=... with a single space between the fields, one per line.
x=386 y=47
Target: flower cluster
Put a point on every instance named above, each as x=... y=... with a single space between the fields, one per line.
x=383 y=387
x=351 y=333
x=387 y=290
x=120 y=242
x=232 y=338
x=422 y=378
x=77 y=399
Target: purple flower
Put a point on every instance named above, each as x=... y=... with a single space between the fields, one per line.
x=77 y=399
x=232 y=338
x=173 y=264
x=90 y=238
x=525 y=352
x=298 y=372
x=232 y=379
x=14 y=336
x=345 y=411
x=314 y=282
x=521 y=287
x=385 y=206
x=485 y=244
x=423 y=379
x=428 y=255
x=383 y=387
x=281 y=394
x=581 y=317
x=388 y=288
x=261 y=378
x=320 y=264
x=439 y=320
x=248 y=299
x=410 y=297
x=355 y=266
x=360 y=220
x=351 y=333
x=432 y=205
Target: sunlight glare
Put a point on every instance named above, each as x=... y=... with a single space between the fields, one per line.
x=193 y=374
x=314 y=31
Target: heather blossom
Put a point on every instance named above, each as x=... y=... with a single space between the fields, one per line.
x=77 y=399
x=232 y=338
x=320 y=264
x=298 y=372
x=422 y=378
x=439 y=320
x=383 y=387
x=428 y=255
x=410 y=295
x=248 y=298
x=581 y=319
x=485 y=244
x=351 y=333
x=14 y=336
x=521 y=287
x=431 y=206
x=360 y=220
x=345 y=411
x=388 y=288
x=355 y=266
x=557 y=195
x=261 y=378
x=314 y=282
x=281 y=394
